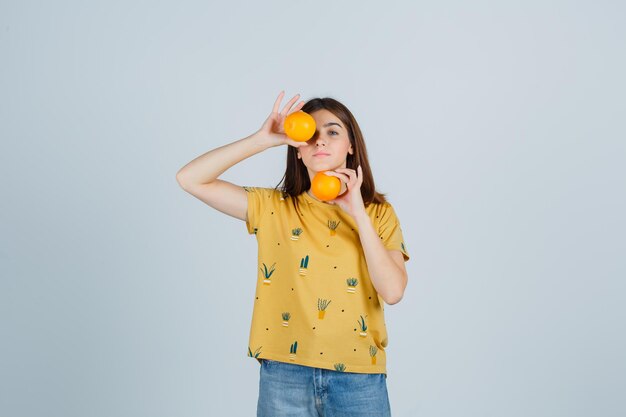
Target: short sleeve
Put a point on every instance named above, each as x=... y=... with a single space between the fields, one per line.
x=258 y=200
x=390 y=231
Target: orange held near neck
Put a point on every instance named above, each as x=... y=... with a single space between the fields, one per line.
x=325 y=187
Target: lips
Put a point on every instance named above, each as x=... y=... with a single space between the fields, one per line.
x=321 y=154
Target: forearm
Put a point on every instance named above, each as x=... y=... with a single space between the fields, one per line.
x=388 y=279
x=207 y=167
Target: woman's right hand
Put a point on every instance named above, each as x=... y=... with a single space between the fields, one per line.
x=273 y=131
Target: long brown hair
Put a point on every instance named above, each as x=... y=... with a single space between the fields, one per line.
x=296 y=178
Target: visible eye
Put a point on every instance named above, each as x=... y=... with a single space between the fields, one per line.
x=332 y=131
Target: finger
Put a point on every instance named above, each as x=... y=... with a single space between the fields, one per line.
x=355 y=180
x=350 y=172
x=343 y=177
x=297 y=108
x=358 y=175
x=277 y=102
x=289 y=104
x=295 y=142
x=353 y=174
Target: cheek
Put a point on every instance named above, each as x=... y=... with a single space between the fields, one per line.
x=345 y=147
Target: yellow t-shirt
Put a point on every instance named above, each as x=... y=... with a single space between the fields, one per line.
x=315 y=304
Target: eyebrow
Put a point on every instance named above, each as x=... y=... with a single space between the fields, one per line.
x=331 y=123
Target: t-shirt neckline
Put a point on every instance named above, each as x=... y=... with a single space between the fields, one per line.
x=319 y=203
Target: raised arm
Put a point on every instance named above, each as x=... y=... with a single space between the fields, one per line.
x=200 y=176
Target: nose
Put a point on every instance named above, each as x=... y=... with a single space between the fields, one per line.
x=317 y=139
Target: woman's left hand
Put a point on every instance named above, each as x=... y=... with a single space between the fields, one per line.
x=351 y=200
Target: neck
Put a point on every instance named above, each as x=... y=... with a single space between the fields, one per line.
x=312 y=195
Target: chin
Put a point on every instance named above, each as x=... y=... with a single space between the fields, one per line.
x=323 y=166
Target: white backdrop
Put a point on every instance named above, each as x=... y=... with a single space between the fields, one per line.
x=495 y=128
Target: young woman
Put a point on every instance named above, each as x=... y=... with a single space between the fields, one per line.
x=325 y=268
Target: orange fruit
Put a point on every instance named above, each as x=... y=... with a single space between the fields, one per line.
x=325 y=187
x=299 y=126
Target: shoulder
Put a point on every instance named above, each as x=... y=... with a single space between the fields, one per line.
x=381 y=211
x=265 y=192
x=265 y=196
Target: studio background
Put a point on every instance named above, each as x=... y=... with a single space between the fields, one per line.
x=496 y=129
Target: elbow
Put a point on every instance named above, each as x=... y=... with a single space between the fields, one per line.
x=394 y=300
x=396 y=296
x=180 y=180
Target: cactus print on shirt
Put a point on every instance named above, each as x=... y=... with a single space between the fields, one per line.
x=314 y=303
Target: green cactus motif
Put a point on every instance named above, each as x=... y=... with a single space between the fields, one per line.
x=352 y=283
x=293 y=350
x=373 y=351
x=332 y=225
x=304 y=264
x=256 y=352
x=321 y=306
x=267 y=273
x=295 y=233
x=340 y=367
x=363 y=326
x=286 y=317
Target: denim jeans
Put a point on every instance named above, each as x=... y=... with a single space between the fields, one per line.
x=287 y=389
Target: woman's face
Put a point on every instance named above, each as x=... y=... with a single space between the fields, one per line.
x=330 y=138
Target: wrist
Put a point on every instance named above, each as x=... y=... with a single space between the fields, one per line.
x=260 y=140
x=361 y=217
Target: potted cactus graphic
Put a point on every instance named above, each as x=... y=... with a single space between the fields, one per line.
x=286 y=317
x=352 y=283
x=304 y=264
x=340 y=367
x=373 y=350
x=321 y=306
x=363 y=326
x=292 y=350
x=267 y=273
x=295 y=233
x=332 y=225
x=256 y=352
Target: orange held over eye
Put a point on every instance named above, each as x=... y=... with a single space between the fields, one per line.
x=325 y=187
x=299 y=126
